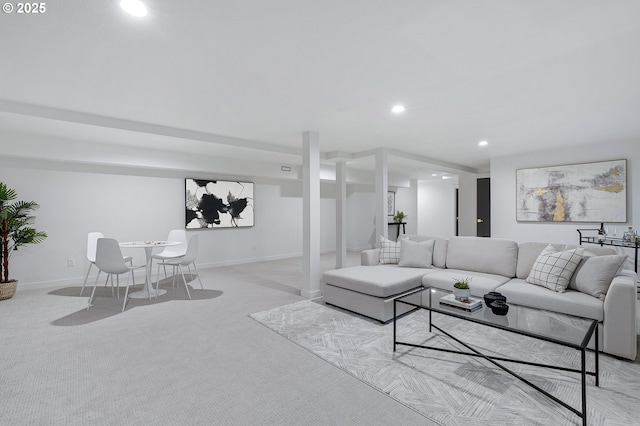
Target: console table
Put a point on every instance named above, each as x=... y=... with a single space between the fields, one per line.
x=609 y=241
x=398 y=224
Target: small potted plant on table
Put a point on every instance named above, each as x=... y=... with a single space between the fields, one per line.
x=15 y=232
x=461 y=290
x=399 y=216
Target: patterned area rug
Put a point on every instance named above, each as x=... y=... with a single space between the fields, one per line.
x=453 y=389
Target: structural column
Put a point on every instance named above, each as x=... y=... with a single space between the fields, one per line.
x=341 y=214
x=311 y=215
x=412 y=222
x=382 y=182
x=468 y=204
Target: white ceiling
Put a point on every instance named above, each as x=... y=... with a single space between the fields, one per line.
x=525 y=75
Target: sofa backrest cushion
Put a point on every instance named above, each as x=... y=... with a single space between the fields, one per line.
x=489 y=255
x=439 y=247
x=553 y=269
x=415 y=254
x=528 y=252
x=595 y=273
x=389 y=251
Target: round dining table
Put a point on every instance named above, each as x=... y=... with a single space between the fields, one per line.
x=148 y=246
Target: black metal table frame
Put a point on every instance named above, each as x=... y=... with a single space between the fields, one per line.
x=493 y=359
x=614 y=242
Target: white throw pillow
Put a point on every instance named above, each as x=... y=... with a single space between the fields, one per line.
x=415 y=254
x=553 y=269
x=595 y=274
x=389 y=251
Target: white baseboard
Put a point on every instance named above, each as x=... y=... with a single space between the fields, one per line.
x=140 y=275
x=358 y=249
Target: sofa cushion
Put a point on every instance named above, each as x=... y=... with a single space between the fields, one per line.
x=595 y=273
x=439 y=248
x=571 y=302
x=378 y=280
x=416 y=254
x=489 y=255
x=481 y=283
x=528 y=252
x=389 y=251
x=553 y=269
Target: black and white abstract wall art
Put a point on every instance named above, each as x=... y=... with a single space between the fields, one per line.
x=218 y=204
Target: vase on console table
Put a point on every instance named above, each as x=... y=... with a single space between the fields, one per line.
x=629 y=236
x=601 y=234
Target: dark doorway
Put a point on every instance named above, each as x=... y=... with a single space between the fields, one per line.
x=484 y=208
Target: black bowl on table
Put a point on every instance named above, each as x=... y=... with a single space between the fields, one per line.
x=499 y=307
x=492 y=296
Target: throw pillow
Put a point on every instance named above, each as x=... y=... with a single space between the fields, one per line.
x=553 y=269
x=415 y=254
x=389 y=251
x=595 y=274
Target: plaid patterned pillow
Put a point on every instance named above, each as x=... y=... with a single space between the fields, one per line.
x=389 y=251
x=553 y=269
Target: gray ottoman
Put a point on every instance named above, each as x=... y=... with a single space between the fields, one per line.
x=370 y=290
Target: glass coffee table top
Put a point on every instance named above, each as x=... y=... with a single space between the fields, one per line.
x=553 y=326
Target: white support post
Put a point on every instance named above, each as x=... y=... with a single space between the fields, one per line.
x=311 y=215
x=412 y=222
x=468 y=204
x=382 y=187
x=341 y=214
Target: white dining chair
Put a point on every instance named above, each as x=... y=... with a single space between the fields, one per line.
x=172 y=252
x=187 y=260
x=92 y=240
x=109 y=259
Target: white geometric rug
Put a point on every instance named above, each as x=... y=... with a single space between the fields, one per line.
x=453 y=389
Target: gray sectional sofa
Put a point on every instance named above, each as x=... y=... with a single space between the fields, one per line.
x=599 y=288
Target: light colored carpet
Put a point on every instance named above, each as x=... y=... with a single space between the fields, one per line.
x=175 y=361
x=454 y=389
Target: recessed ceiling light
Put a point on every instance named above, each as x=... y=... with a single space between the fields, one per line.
x=134 y=7
x=434 y=174
x=483 y=143
x=398 y=109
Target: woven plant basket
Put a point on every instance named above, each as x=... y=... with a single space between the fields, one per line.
x=7 y=290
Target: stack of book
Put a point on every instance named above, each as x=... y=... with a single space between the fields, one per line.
x=472 y=305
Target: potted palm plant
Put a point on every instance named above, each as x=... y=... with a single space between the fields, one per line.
x=15 y=232
x=461 y=289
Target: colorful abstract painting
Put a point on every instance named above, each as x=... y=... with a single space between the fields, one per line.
x=218 y=204
x=589 y=192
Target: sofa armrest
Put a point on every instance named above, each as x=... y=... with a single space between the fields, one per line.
x=620 y=332
x=370 y=257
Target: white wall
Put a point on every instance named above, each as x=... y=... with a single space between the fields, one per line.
x=436 y=204
x=361 y=222
x=131 y=207
x=503 y=190
x=406 y=201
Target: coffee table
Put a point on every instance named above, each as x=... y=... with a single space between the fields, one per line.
x=566 y=330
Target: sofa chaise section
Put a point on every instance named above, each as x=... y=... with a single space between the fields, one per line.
x=370 y=290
